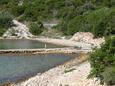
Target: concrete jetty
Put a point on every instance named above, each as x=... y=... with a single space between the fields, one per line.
x=44 y=51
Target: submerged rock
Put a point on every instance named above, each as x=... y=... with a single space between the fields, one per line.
x=19 y=30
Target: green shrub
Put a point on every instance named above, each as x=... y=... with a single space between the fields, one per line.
x=109 y=75
x=14 y=7
x=5 y=22
x=102 y=60
x=95 y=19
x=36 y=28
x=75 y=25
x=2 y=31
x=109 y=23
x=94 y=22
x=108 y=3
x=62 y=27
x=5 y=19
x=3 y=2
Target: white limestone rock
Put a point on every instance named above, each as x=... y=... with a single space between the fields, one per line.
x=87 y=37
x=18 y=31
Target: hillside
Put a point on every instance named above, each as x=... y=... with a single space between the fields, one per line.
x=96 y=16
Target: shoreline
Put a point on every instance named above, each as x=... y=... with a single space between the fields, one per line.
x=62 y=67
x=70 y=46
x=40 y=73
x=58 y=69
x=72 y=73
x=61 y=42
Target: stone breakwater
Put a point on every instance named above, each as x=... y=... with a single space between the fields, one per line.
x=43 y=51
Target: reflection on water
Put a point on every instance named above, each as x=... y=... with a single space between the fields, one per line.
x=24 y=44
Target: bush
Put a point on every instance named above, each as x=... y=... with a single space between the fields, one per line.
x=2 y=31
x=109 y=23
x=75 y=25
x=109 y=75
x=62 y=27
x=3 y=2
x=95 y=19
x=36 y=28
x=102 y=60
x=5 y=22
x=14 y=7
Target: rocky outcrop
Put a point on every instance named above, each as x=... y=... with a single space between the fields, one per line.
x=19 y=30
x=87 y=37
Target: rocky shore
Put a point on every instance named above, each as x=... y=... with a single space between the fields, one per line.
x=87 y=37
x=73 y=73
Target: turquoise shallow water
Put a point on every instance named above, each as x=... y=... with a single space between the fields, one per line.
x=16 y=67
x=24 y=44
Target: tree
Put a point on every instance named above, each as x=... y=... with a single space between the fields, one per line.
x=5 y=22
x=36 y=28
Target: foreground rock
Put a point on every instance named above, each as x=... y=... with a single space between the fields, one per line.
x=19 y=30
x=87 y=37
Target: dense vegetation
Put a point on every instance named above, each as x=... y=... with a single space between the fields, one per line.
x=99 y=22
x=36 y=28
x=5 y=22
x=96 y=16
x=103 y=62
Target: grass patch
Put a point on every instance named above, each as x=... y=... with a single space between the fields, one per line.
x=69 y=70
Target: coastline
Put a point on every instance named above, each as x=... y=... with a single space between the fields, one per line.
x=72 y=73
x=24 y=78
x=58 y=71
x=61 y=42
